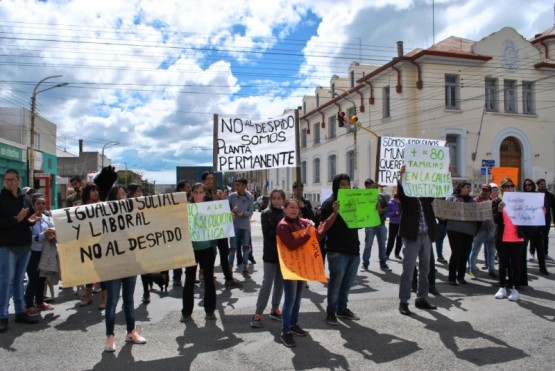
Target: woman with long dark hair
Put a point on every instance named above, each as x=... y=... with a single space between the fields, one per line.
x=460 y=234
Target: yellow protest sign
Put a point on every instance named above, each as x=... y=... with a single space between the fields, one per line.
x=304 y=263
x=358 y=207
x=498 y=173
x=116 y=239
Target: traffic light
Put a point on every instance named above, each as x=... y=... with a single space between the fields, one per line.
x=353 y=120
x=341 y=119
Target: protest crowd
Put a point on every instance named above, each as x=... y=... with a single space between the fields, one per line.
x=289 y=225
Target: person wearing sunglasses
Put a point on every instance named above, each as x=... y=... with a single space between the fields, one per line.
x=509 y=241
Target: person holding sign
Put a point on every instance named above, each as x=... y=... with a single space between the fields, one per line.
x=269 y=219
x=293 y=232
x=461 y=235
x=127 y=287
x=343 y=252
x=418 y=228
x=509 y=241
x=205 y=255
x=534 y=236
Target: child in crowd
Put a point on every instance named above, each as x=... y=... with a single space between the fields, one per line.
x=293 y=289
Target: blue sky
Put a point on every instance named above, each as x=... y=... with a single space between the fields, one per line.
x=152 y=74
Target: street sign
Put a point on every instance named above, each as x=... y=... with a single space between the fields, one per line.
x=486 y=169
x=488 y=163
x=42 y=175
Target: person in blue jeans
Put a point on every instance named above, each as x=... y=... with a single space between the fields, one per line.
x=114 y=287
x=484 y=236
x=380 y=231
x=343 y=252
x=241 y=204
x=293 y=289
x=15 y=249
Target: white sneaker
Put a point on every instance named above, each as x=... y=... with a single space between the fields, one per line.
x=547 y=257
x=514 y=295
x=530 y=257
x=501 y=293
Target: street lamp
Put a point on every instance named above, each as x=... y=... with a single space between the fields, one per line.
x=107 y=145
x=31 y=170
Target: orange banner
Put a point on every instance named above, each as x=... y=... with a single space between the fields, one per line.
x=304 y=263
x=498 y=173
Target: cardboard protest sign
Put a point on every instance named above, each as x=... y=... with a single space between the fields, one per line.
x=525 y=208
x=427 y=171
x=304 y=263
x=116 y=239
x=358 y=207
x=498 y=173
x=245 y=144
x=210 y=220
x=464 y=211
x=391 y=156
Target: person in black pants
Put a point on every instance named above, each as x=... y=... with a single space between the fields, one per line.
x=460 y=234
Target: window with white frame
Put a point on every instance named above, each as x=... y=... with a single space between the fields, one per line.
x=316 y=170
x=36 y=144
x=491 y=95
x=386 y=102
x=316 y=133
x=303 y=171
x=351 y=164
x=509 y=96
x=452 y=91
x=303 y=138
x=453 y=143
x=332 y=127
x=332 y=167
x=528 y=104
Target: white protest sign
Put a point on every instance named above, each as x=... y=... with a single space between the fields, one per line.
x=245 y=144
x=427 y=171
x=391 y=156
x=116 y=239
x=525 y=208
x=210 y=220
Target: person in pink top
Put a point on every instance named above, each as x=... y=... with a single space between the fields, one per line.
x=509 y=241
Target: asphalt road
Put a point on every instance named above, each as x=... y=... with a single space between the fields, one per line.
x=469 y=330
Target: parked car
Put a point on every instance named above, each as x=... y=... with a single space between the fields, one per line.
x=261 y=203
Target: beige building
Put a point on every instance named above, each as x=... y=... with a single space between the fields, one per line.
x=491 y=99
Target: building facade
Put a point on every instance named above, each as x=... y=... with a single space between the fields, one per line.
x=489 y=100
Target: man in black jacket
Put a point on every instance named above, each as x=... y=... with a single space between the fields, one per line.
x=15 y=249
x=549 y=211
x=418 y=229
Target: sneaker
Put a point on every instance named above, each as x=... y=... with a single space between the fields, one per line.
x=530 y=257
x=433 y=290
x=493 y=274
x=347 y=314
x=501 y=293
x=331 y=320
x=275 y=314
x=32 y=312
x=385 y=268
x=185 y=318
x=255 y=321
x=25 y=318
x=297 y=330
x=364 y=268
x=211 y=316
x=146 y=299
x=110 y=344
x=544 y=272
x=547 y=257
x=404 y=309
x=442 y=260
x=44 y=306
x=287 y=339
x=246 y=273
x=134 y=337
x=515 y=296
x=472 y=275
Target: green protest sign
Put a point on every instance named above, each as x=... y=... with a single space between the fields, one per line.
x=358 y=207
x=427 y=171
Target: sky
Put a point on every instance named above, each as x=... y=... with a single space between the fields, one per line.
x=150 y=75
